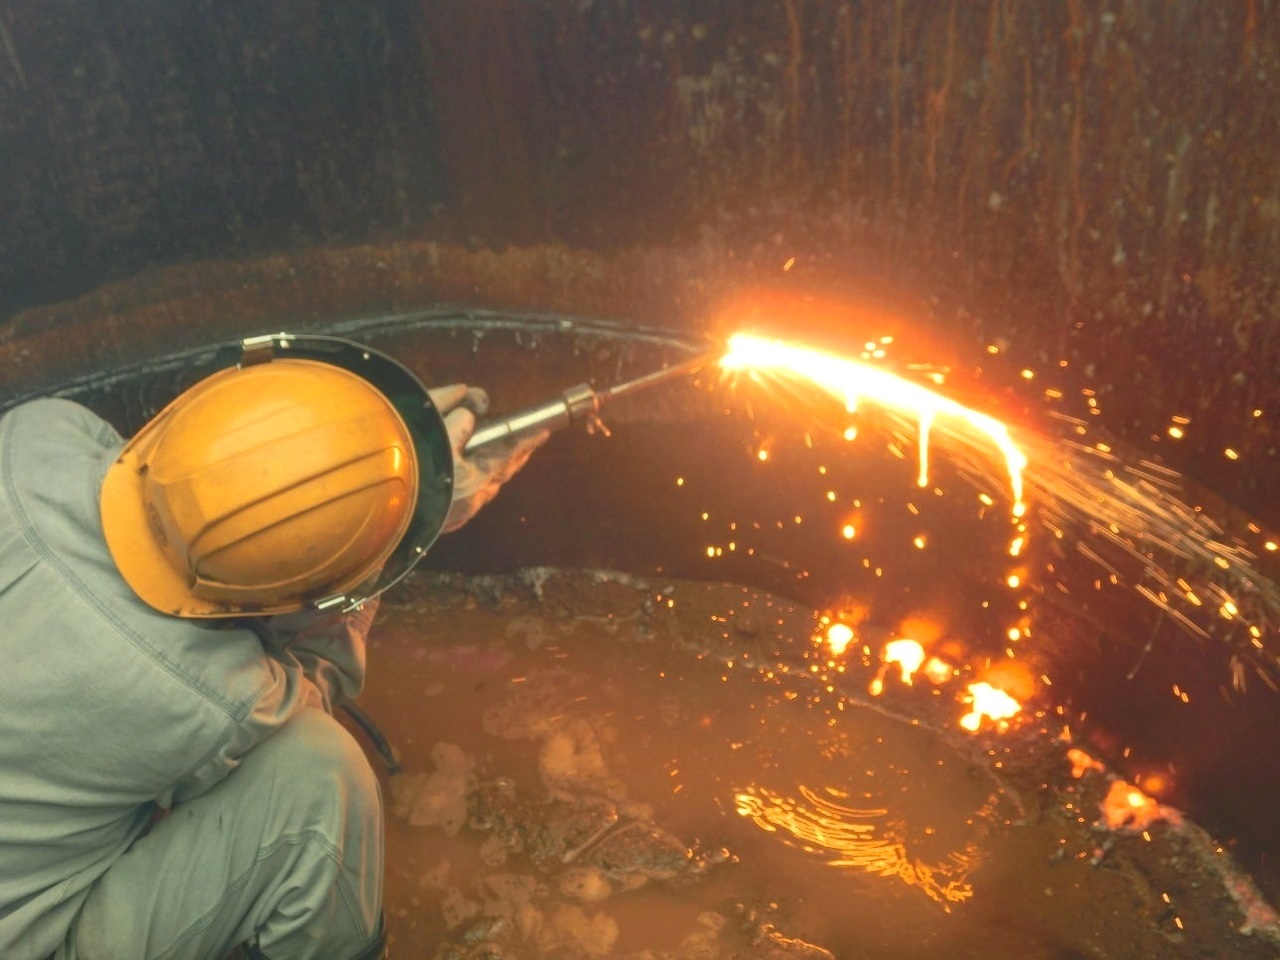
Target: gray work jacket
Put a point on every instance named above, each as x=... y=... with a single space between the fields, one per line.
x=110 y=710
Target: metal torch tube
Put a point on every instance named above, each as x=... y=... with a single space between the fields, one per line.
x=572 y=405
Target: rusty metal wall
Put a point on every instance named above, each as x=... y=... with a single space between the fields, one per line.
x=1082 y=181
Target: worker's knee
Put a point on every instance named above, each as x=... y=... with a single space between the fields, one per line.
x=321 y=772
x=290 y=852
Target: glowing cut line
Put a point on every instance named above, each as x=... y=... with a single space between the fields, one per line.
x=852 y=381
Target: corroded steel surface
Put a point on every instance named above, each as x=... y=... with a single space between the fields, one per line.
x=1085 y=182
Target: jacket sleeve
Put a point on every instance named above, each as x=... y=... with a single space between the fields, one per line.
x=312 y=661
x=329 y=648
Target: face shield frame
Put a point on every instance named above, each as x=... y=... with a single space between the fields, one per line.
x=409 y=396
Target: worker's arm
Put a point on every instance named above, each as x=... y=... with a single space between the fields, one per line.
x=310 y=662
x=329 y=648
x=480 y=474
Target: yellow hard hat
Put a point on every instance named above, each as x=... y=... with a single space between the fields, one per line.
x=262 y=489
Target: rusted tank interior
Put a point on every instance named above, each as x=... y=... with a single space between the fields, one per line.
x=1072 y=209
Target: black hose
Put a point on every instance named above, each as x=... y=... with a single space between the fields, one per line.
x=380 y=742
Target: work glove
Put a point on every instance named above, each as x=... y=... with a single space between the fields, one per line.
x=477 y=476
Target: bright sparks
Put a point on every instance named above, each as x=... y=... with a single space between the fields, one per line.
x=987 y=701
x=852 y=381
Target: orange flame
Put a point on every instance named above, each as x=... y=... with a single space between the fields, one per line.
x=907 y=654
x=852 y=381
x=839 y=637
x=1125 y=807
x=988 y=701
x=1082 y=763
x=938 y=671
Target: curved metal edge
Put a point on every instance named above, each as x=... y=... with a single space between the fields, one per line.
x=436 y=318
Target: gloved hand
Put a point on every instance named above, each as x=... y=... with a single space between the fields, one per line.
x=477 y=477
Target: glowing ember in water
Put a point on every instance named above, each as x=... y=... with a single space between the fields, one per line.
x=1125 y=807
x=1082 y=763
x=839 y=637
x=938 y=671
x=853 y=381
x=987 y=701
x=907 y=654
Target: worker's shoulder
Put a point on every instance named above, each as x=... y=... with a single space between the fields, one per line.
x=47 y=441
x=52 y=452
x=57 y=417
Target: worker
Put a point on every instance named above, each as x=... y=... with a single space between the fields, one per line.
x=182 y=614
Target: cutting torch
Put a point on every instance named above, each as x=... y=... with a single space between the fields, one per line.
x=578 y=404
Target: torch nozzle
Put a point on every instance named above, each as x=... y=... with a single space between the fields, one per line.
x=578 y=404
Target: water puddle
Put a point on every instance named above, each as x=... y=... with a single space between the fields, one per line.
x=596 y=766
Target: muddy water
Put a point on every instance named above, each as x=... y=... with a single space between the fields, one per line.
x=594 y=766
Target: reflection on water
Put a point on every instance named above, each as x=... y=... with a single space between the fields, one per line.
x=861 y=839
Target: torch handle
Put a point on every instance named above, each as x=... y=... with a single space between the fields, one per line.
x=577 y=403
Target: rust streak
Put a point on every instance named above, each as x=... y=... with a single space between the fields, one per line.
x=848 y=83
x=794 y=100
x=936 y=110
x=12 y=53
x=895 y=98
